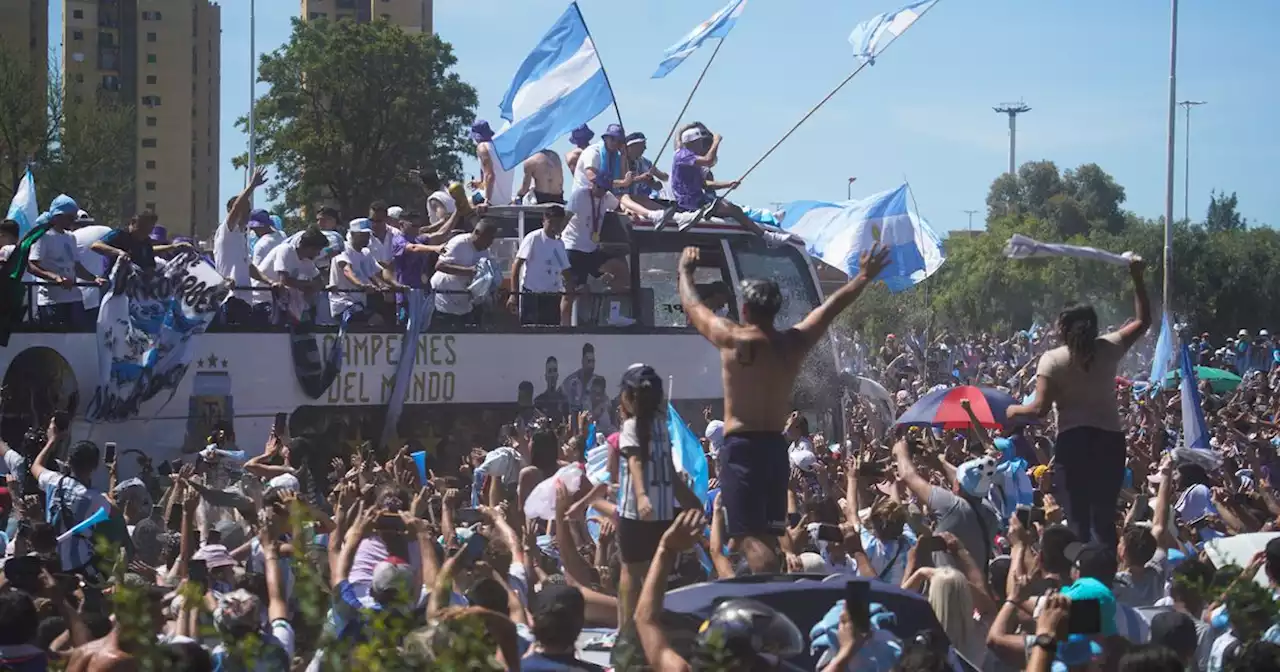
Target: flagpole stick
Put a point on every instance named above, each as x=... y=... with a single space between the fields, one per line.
x=603 y=70
x=705 y=68
x=822 y=102
x=928 y=322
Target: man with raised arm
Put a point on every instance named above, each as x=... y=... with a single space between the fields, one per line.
x=760 y=364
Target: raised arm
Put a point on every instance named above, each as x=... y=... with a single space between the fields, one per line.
x=716 y=329
x=1131 y=332
x=816 y=323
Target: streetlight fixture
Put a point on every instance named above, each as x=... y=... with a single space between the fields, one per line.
x=1013 y=110
x=1186 y=150
x=849 y=190
x=971 y=213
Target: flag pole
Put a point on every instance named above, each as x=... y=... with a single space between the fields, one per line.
x=829 y=96
x=603 y=70
x=928 y=323
x=680 y=116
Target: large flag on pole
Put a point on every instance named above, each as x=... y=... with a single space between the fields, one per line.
x=869 y=37
x=23 y=208
x=838 y=234
x=1195 y=433
x=561 y=85
x=718 y=26
x=1163 y=358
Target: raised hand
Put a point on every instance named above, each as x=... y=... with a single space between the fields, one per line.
x=684 y=530
x=690 y=257
x=873 y=261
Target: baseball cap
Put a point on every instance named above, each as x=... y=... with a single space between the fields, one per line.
x=560 y=599
x=1175 y=630
x=392 y=576
x=635 y=138
x=692 y=135
x=284 y=482
x=64 y=205
x=1094 y=560
x=638 y=374
x=395 y=212
x=360 y=225
x=1092 y=589
x=260 y=217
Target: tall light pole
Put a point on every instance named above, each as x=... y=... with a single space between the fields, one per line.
x=253 y=81
x=1186 y=151
x=1013 y=110
x=971 y=213
x=849 y=190
x=1169 y=156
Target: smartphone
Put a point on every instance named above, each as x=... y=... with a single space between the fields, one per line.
x=474 y=548
x=857 y=602
x=281 y=425
x=198 y=572
x=1028 y=515
x=467 y=516
x=931 y=544
x=828 y=532
x=389 y=522
x=61 y=420
x=111 y=452
x=1085 y=617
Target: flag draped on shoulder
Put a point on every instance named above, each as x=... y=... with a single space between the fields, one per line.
x=869 y=37
x=561 y=85
x=718 y=26
x=1195 y=433
x=23 y=208
x=838 y=234
x=13 y=293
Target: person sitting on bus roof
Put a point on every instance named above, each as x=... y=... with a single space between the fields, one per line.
x=638 y=199
x=698 y=152
x=581 y=139
x=541 y=272
x=495 y=180
x=543 y=179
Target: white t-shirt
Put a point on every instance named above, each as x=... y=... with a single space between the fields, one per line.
x=55 y=252
x=362 y=266
x=545 y=262
x=5 y=252
x=380 y=248
x=586 y=218
x=284 y=259
x=592 y=157
x=262 y=249
x=231 y=256
x=459 y=251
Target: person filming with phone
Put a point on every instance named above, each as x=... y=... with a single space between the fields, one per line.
x=70 y=497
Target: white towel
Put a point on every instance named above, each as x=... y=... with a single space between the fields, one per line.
x=1022 y=247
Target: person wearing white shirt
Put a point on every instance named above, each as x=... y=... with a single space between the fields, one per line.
x=54 y=260
x=292 y=272
x=267 y=239
x=327 y=222
x=353 y=272
x=455 y=271
x=231 y=251
x=587 y=210
x=496 y=181
x=381 y=243
x=604 y=157
x=70 y=495
x=540 y=270
x=9 y=235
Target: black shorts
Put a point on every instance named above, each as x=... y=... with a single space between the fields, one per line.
x=754 y=471
x=638 y=539
x=541 y=197
x=584 y=265
x=539 y=308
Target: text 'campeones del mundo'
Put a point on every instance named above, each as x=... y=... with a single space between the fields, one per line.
x=370 y=361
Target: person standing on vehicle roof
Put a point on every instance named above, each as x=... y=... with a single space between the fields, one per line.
x=760 y=365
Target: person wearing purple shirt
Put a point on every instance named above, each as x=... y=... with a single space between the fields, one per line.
x=413 y=254
x=699 y=150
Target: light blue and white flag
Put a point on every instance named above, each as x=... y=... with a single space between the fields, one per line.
x=419 y=310
x=1195 y=433
x=838 y=234
x=1163 y=358
x=23 y=208
x=868 y=38
x=560 y=86
x=686 y=453
x=718 y=25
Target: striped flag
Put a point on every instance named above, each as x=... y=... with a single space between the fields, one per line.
x=718 y=26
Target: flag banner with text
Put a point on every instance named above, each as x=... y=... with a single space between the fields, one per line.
x=145 y=326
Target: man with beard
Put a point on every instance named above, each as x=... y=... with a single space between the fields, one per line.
x=552 y=401
x=577 y=385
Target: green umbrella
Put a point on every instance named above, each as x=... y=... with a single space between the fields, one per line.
x=1220 y=381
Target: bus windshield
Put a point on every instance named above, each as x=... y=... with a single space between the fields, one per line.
x=784 y=265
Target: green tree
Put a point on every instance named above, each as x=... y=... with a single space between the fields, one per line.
x=354 y=106
x=1222 y=215
x=24 y=130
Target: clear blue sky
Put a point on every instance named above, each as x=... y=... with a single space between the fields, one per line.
x=1094 y=71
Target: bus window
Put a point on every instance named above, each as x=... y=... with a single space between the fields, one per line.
x=785 y=266
x=659 y=278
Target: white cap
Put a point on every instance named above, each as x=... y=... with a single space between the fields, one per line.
x=395 y=212
x=1244 y=333
x=1264 y=333
x=360 y=225
x=692 y=135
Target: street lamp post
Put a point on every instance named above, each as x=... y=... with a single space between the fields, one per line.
x=253 y=79
x=1169 y=156
x=971 y=213
x=849 y=190
x=1186 y=151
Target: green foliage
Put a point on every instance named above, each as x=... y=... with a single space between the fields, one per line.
x=1226 y=275
x=77 y=146
x=352 y=107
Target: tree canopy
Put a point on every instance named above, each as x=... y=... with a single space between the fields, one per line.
x=1226 y=275
x=352 y=107
x=79 y=146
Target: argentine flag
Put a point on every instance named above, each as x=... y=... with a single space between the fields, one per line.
x=1195 y=433
x=23 y=208
x=868 y=37
x=1163 y=357
x=718 y=25
x=561 y=85
x=687 y=455
x=838 y=234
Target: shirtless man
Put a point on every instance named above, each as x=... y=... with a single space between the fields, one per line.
x=581 y=139
x=760 y=365
x=544 y=176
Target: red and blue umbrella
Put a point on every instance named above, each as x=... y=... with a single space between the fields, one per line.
x=941 y=408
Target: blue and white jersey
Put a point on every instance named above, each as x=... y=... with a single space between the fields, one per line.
x=659 y=471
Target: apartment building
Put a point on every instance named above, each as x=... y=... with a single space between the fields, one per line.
x=163 y=57
x=24 y=32
x=411 y=15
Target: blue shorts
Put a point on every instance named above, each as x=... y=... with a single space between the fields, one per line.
x=754 y=472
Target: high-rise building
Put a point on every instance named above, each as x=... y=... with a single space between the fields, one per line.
x=162 y=57
x=411 y=15
x=24 y=32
